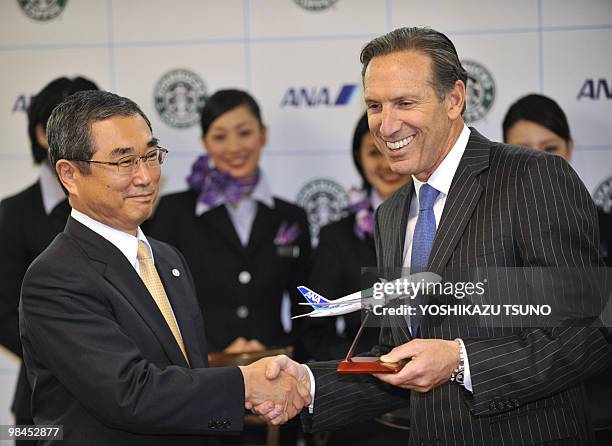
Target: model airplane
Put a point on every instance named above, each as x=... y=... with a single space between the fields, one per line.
x=359 y=300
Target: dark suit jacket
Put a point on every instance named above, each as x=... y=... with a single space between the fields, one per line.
x=231 y=308
x=25 y=231
x=336 y=271
x=101 y=359
x=511 y=207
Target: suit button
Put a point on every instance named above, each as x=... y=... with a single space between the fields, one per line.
x=244 y=277
x=242 y=311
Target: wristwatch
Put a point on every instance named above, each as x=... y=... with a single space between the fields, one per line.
x=457 y=375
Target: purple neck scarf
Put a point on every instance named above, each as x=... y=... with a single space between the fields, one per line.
x=216 y=187
x=364 y=215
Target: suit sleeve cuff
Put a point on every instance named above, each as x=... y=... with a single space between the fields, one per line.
x=467 y=377
x=312 y=389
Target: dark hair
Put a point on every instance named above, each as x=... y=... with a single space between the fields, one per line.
x=43 y=104
x=445 y=64
x=69 y=126
x=360 y=131
x=223 y=101
x=541 y=110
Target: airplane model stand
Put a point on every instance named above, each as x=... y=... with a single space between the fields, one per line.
x=365 y=364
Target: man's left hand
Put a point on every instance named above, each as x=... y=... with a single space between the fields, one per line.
x=431 y=362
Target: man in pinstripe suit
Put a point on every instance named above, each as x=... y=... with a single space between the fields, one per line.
x=494 y=206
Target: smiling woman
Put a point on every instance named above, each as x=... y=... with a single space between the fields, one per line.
x=244 y=246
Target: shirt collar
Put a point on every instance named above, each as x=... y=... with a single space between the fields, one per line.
x=50 y=188
x=126 y=243
x=442 y=177
x=260 y=193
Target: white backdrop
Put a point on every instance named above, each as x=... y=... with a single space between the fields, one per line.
x=296 y=61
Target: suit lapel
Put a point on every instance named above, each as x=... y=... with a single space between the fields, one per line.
x=121 y=275
x=184 y=313
x=463 y=196
x=263 y=228
x=403 y=207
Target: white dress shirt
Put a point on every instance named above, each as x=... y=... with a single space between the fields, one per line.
x=126 y=243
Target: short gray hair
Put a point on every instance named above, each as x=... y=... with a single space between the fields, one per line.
x=446 y=67
x=69 y=126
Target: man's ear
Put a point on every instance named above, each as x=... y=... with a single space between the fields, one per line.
x=67 y=173
x=41 y=136
x=455 y=99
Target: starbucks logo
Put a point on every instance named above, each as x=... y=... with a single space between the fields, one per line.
x=324 y=201
x=480 y=91
x=42 y=10
x=315 y=5
x=603 y=196
x=179 y=97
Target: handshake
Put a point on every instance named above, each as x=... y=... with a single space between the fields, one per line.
x=276 y=388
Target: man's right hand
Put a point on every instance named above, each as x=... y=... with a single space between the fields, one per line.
x=277 y=366
x=272 y=392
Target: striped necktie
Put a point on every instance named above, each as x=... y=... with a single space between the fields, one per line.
x=151 y=279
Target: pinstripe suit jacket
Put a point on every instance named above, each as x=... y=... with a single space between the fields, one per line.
x=507 y=207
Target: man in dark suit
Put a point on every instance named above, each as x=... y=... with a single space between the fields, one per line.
x=113 y=339
x=472 y=203
x=29 y=221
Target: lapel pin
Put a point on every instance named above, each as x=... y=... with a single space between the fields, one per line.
x=176 y=272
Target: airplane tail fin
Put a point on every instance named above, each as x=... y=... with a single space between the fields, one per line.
x=313 y=298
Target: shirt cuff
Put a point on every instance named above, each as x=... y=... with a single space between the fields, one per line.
x=312 y=389
x=467 y=378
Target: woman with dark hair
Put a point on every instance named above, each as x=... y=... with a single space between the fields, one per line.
x=29 y=221
x=537 y=122
x=346 y=246
x=244 y=246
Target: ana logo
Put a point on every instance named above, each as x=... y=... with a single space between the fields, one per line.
x=315 y=96
x=324 y=201
x=595 y=89
x=480 y=91
x=603 y=196
x=179 y=97
x=313 y=296
x=42 y=10
x=315 y=5
x=22 y=103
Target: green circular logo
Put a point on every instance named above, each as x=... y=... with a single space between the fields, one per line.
x=315 y=5
x=480 y=91
x=179 y=97
x=324 y=201
x=42 y=10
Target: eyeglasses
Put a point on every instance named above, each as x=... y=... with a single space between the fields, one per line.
x=129 y=164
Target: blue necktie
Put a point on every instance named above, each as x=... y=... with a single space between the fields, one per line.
x=422 y=241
